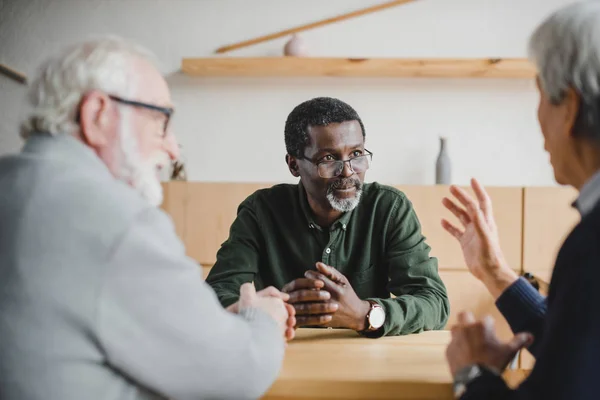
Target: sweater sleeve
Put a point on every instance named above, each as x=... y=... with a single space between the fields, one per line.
x=163 y=327
x=568 y=353
x=525 y=310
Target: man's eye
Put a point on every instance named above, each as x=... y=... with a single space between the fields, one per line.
x=328 y=157
x=357 y=153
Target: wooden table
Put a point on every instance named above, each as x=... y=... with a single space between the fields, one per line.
x=339 y=364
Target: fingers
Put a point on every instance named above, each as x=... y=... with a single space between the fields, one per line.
x=466 y=318
x=488 y=323
x=485 y=203
x=473 y=210
x=291 y=310
x=329 y=284
x=451 y=229
x=461 y=214
x=302 y=283
x=303 y=296
x=290 y=333
x=519 y=341
x=247 y=290
x=464 y=198
x=271 y=291
x=310 y=320
x=316 y=308
x=331 y=273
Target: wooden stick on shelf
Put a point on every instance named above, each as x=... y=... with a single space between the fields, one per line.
x=13 y=74
x=312 y=25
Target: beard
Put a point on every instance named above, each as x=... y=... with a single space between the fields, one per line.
x=347 y=204
x=138 y=173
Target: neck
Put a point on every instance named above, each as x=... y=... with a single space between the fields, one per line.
x=588 y=163
x=324 y=214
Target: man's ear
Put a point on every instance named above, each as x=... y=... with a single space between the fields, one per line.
x=292 y=163
x=94 y=118
x=572 y=105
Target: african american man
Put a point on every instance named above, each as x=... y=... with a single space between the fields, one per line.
x=340 y=247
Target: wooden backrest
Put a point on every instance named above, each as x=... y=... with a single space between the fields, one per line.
x=548 y=219
x=427 y=202
x=204 y=212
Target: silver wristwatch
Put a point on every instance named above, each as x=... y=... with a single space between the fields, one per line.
x=375 y=317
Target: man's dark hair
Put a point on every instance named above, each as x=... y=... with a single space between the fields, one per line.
x=320 y=111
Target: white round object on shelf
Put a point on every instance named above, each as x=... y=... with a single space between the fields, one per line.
x=295 y=47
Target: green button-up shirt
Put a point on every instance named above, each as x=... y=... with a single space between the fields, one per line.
x=378 y=246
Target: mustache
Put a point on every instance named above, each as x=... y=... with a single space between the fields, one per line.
x=344 y=183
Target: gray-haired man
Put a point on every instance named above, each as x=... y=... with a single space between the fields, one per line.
x=562 y=331
x=97 y=297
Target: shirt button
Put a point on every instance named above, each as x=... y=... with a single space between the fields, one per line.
x=328 y=250
x=311 y=226
x=344 y=226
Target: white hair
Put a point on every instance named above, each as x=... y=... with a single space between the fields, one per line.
x=101 y=64
x=566 y=51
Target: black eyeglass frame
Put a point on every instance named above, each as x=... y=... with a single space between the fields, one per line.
x=318 y=163
x=166 y=111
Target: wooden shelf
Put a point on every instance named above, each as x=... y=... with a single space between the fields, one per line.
x=358 y=67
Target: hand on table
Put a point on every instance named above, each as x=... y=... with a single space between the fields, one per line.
x=271 y=301
x=475 y=342
x=312 y=305
x=479 y=239
x=352 y=311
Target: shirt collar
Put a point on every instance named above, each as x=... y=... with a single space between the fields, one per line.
x=589 y=195
x=341 y=222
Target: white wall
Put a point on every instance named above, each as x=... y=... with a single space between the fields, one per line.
x=231 y=129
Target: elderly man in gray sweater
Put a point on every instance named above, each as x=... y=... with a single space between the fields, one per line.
x=97 y=297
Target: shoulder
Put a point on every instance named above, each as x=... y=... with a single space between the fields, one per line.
x=585 y=237
x=99 y=205
x=580 y=252
x=272 y=196
x=376 y=195
x=81 y=205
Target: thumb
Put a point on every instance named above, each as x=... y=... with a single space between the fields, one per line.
x=519 y=341
x=330 y=272
x=323 y=268
x=247 y=291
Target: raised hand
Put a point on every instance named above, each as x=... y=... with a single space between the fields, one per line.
x=479 y=239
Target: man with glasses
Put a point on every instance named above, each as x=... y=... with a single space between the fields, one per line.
x=338 y=246
x=97 y=297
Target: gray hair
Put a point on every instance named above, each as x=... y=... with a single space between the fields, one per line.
x=565 y=48
x=101 y=64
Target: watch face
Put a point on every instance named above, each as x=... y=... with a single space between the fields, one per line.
x=377 y=317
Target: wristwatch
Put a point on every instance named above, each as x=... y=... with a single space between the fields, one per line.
x=375 y=317
x=464 y=377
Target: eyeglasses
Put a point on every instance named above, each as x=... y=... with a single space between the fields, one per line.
x=166 y=111
x=333 y=169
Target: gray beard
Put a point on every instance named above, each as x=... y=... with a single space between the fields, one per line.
x=344 y=205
